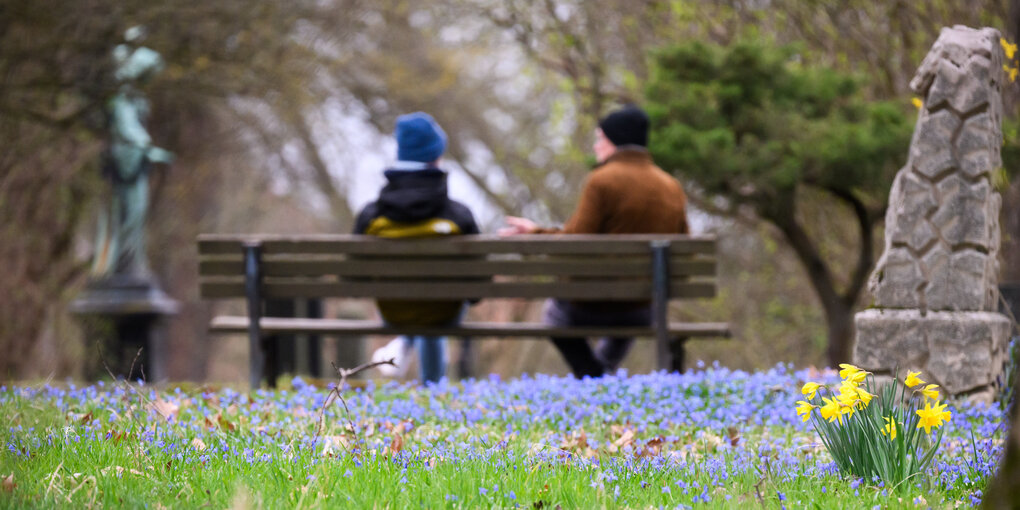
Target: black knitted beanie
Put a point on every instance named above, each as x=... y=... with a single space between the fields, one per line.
x=626 y=126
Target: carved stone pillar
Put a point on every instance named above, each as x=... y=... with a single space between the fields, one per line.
x=935 y=286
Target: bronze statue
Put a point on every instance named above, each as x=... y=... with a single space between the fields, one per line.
x=120 y=245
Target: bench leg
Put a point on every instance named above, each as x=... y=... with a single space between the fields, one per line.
x=677 y=354
x=253 y=292
x=273 y=359
x=464 y=359
x=314 y=311
x=660 y=302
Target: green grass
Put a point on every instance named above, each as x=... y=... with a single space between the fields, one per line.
x=472 y=447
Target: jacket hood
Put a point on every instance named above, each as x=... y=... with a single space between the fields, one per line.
x=413 y=195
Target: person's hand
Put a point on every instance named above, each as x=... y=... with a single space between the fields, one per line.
x=517 y=226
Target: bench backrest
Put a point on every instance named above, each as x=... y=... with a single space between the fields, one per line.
x=577 y=267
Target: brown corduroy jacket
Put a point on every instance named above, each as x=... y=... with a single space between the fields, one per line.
x=629 y=194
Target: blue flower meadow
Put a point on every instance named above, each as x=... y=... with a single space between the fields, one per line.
x=690 y=438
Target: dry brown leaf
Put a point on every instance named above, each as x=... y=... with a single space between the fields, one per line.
x=198 y=444
x=576 y=441
x=653 y=446
x=625 y=439
x=814 y=374
x=8 y=483
x=397 y=443
x=166 y=409
x=224 y=423
x=333 y=444
x=734 y=434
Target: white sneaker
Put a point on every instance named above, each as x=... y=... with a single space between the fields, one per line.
x=396 y=350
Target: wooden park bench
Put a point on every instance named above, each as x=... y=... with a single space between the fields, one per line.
x=657 y=268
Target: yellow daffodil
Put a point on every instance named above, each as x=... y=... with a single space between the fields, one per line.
x=932 y=416
x=848 y=370
x=831 y=410
x=857 y=377
x=804 y=409
x=890 y=428
x=912 y=379
x=834 y=410
x=917 y=102
x=1007 y=47
x=848 y=398
x=931 y=391
x=864 y=397
x=851 y=395
x=810 y=389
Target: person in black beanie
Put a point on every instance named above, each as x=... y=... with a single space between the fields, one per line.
x=626 y=126
x=625 y=194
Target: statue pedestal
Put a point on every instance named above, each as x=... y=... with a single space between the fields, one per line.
x=961 y=351
x=124 y=313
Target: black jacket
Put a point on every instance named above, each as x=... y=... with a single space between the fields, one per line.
x=413 y=204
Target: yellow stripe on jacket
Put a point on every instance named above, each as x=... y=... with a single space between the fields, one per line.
x=432 y=227
x=409 y=312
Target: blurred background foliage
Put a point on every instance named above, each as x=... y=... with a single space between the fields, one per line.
x=271 y=105
x=752 y=130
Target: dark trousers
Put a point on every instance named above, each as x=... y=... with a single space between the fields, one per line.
x=608 y=352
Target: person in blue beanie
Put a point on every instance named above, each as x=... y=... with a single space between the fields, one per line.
x=414 y=203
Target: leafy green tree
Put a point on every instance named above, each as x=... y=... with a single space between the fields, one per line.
x=749 y=127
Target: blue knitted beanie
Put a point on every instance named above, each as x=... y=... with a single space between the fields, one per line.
x=419 y=138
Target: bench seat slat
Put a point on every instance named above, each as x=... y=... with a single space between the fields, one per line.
x=211 y=244
x=454 y=268
x=585 y=291
x=239 y=324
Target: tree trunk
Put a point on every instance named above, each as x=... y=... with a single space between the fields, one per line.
x=839 y=308
x=839 y=318
x=1002 y=491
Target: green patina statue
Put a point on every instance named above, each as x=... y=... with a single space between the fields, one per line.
x=120 y=245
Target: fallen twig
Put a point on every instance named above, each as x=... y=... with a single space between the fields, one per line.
x=127 y=385
x=334 y=393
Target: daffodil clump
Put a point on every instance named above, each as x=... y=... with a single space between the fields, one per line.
x=871 y=434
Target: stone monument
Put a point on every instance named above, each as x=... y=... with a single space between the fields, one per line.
x=123 y=300
x=935 y=286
